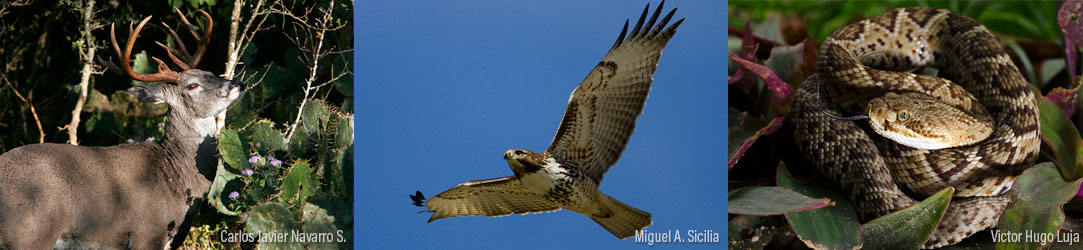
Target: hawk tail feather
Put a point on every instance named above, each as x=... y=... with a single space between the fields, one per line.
x=623 y=220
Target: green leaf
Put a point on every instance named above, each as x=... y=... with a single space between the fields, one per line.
x=234 y=152
x=142 y=64
x=831 y=227
x=1050 y=69
x=219 y=189
x=771 y=201
x=328 y=215
x=1062 y=137
x=786 y=61
x=300 y=143
x=910 y=227
x=265 y=138
x=1037 y=209
x=344 y=131
x=312 y=114
x=1027 y=68
x=273 y=218
x=298 y=184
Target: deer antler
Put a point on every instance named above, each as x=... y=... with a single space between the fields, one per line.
x=164 y=73
x=186 y=60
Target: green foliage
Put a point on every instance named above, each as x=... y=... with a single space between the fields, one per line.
x=233 y=150
x=1041 y=192
x=831 y=227
x=205 y=237
x=307 y=190
x=225 y=182
x=275 y=219
x=327 y=214
x=265 y=139
x=1032 y=19
x=298 y=184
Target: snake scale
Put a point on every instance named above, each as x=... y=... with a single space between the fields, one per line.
x=866 y=60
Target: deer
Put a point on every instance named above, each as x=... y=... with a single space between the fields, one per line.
x=129 y=196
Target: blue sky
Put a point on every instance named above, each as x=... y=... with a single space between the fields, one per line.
x=445 y=87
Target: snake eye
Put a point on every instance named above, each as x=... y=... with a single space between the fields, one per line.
x=902 y=116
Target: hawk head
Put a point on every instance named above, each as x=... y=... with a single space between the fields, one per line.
x=524 y=161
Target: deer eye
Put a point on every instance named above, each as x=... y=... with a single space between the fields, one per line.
x=192 y=86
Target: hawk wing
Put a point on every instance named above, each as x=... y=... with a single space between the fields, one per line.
x=492 y=197
x=602 y=111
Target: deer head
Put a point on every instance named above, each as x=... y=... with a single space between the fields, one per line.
x=191 y=93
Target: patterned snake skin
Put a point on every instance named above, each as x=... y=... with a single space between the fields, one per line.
x=860 y=61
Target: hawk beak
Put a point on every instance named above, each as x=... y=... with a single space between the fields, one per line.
x=507 y=154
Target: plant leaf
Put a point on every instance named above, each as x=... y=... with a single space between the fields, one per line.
x=219 y=189
x=1062 y=137
x=747 y=131
x=328 y=214
x=760 y=200
x=786 y=61
x=273 y=218
x=1037 y=208
x=910 y=227
x=298 y=184
x=781 y=93
x=1065 y=99
x=831 y=227
x=265 y=138
x=234 y=151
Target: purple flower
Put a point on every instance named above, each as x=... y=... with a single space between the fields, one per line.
x=247 y=172
x=244 y=215
x=254 y=159
x=161 y=124
x=275 y=162
x=150 y=139
x=130 y=140
x=234 y=195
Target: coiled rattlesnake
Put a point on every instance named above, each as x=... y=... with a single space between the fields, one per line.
x=859 y=61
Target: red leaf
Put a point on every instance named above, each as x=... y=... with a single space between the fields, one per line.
x=781 y=93
x=1068 y=18
x=742 y=136
x=1065 y=99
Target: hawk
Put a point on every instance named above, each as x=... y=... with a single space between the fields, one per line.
x=597 y=123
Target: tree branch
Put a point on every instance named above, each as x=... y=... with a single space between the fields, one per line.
x=86 y=45
x=33 y=111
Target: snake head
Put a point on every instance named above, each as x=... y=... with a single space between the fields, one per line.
x=920 y=121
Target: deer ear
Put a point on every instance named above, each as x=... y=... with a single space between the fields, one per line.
x=149 y=93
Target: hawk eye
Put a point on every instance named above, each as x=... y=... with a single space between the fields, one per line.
x=192 y=86
x=518 y=152
x=902 y=116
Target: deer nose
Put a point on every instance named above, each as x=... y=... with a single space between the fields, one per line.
x=238 y=83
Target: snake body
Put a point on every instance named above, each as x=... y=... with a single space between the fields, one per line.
x=861 y=62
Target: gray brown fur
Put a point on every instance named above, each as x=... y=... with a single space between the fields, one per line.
x=126 y=196
x=872 y=168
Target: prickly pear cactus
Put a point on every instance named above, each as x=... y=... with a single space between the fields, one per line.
x=299 y=186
